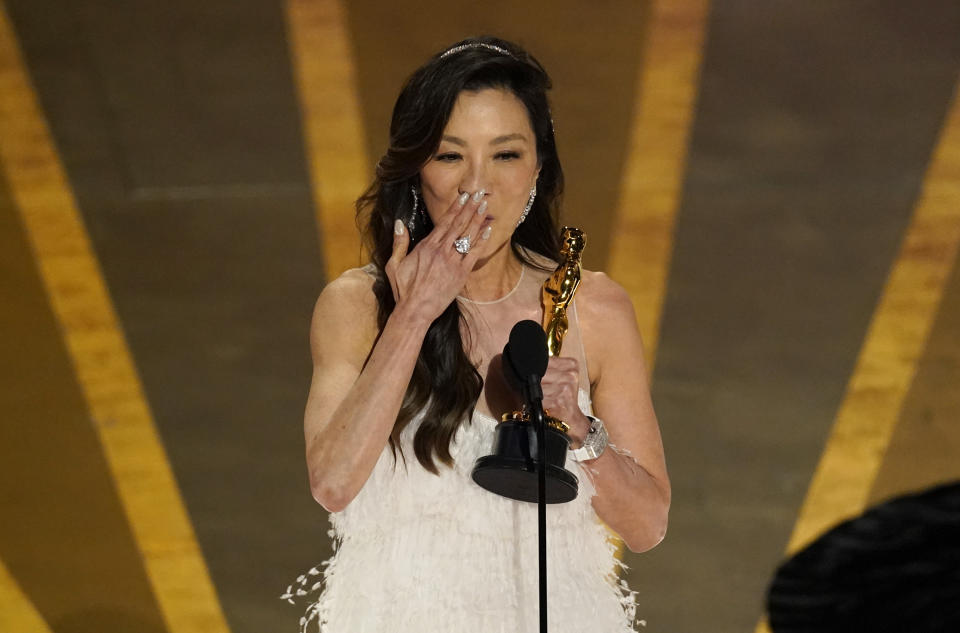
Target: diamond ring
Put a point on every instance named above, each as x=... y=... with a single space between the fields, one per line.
x=462 y=245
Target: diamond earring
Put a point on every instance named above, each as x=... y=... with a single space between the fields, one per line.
x=526 y=209
x=416 y=207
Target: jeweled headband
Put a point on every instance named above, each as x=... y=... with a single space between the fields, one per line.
x=492 y=47
x=463 y=47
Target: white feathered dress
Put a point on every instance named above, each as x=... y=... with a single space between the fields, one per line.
x=422 y=553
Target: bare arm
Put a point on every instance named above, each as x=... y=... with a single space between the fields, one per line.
x=633 y=491
x=352 y=407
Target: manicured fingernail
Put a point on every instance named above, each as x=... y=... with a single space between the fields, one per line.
x=477 y=197
x=486 y=233
x=463 y=198
x=482 y=208
x=398 y=227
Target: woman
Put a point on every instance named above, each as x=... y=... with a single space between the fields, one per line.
x=407 y=386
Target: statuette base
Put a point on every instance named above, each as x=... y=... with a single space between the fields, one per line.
x=510 y=471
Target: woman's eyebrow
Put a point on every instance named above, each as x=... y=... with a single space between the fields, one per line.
x=516 y=136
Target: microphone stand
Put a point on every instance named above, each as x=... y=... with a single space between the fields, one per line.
x=533 y=395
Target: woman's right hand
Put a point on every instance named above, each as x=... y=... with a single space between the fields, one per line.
x=430 y=276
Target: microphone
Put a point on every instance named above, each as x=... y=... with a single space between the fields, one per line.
x=525 y=356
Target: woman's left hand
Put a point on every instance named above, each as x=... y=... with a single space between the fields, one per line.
x=561 y=386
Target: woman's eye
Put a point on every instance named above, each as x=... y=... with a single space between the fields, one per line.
x=447 y=157
x=507 y=155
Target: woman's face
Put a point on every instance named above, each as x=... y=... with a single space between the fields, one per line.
x=488 y=144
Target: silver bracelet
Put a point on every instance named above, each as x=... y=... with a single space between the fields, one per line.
x=593 y=444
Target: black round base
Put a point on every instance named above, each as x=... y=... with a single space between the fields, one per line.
x=518 y=479
x=511 y=470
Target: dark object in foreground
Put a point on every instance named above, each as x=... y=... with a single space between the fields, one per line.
x=896 y=568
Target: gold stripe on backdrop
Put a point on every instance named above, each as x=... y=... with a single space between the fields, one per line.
x=330 y=112
x=102 y=362
x=642 y=233
x=893 y=346
x=650 y=189
x=17 y=613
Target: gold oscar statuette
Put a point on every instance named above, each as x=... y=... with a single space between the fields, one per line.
x=510 y=470
x=558 y=289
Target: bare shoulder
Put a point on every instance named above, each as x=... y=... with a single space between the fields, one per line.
x=344 y=320
x=602 y=300
x=608 y=325
x=352 y=290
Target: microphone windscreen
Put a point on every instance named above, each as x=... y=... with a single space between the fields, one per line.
x=526 y=353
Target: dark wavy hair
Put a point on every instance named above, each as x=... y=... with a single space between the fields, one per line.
x=445 y=383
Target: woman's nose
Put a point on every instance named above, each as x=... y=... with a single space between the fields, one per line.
x=474 y=179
